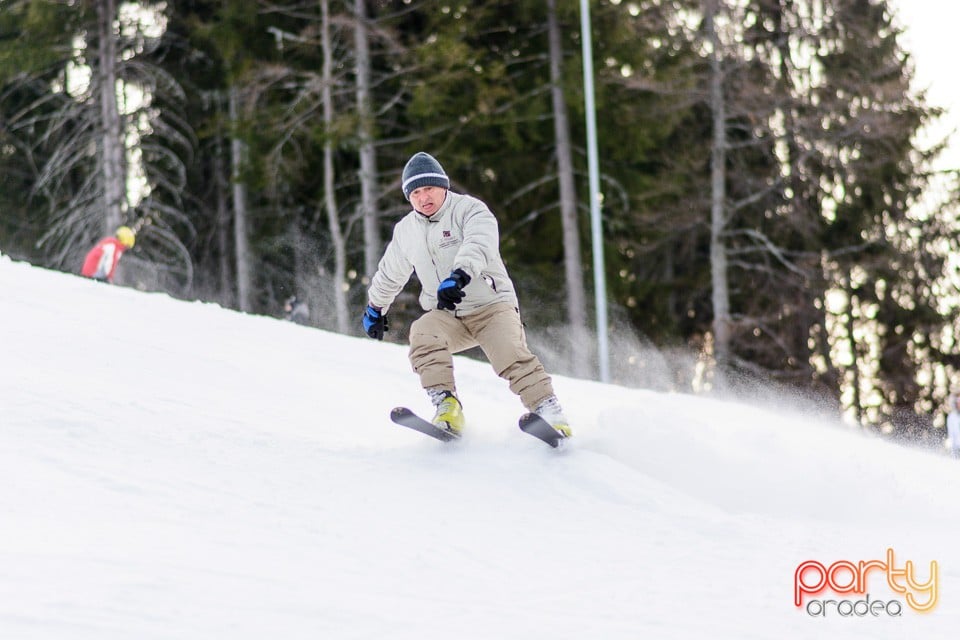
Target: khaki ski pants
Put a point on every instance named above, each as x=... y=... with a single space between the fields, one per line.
x=437 y=335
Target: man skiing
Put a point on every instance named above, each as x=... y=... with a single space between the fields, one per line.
x=101 y=261
x=451 y=241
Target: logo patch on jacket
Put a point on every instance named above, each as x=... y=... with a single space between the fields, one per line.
x=447 y=239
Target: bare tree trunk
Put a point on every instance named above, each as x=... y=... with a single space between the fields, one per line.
x=572 y=259
x=330 y=196
x=112 y=159
x=241 y=241
x=221 y=186
x=856 y=402
x=368 y=154
x=718 y=252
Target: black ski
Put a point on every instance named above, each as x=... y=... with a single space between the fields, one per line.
x=407 y=418
x=539 y=428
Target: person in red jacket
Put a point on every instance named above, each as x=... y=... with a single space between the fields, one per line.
x=101 y=261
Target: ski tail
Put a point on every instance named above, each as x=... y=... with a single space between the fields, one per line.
x=407 y=418
x=539 y=428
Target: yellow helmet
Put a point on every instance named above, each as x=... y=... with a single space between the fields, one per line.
x=126 y=237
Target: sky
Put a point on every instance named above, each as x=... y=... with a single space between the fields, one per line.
x=930 y=36
x=171 y=469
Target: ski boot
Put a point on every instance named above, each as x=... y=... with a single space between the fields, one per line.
x=449 y=416
x=549 y=409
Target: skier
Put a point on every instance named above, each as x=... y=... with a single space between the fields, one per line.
x=953 y=425
x=101 y=261
x=296 y=310
x=451 y=241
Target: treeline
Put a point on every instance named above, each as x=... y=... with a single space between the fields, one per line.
x=760 y=175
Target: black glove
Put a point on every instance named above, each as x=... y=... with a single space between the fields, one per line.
x=450 y=293
x=375 y=323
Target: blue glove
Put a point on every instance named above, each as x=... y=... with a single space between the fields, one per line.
x=450 y=293
x=375 y=323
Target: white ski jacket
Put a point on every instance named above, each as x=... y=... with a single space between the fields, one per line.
x=462 y=234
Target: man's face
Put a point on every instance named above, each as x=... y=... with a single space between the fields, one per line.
x=427 y=200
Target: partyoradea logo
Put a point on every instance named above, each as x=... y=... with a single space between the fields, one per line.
x=813 y=581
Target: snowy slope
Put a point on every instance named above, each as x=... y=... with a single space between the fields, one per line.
x=176 y=470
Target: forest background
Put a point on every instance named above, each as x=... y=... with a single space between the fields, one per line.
x=769 y=216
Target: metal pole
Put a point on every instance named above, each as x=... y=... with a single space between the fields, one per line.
x=593 y=163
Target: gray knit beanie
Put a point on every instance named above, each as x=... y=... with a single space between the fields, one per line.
x=423 y=170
